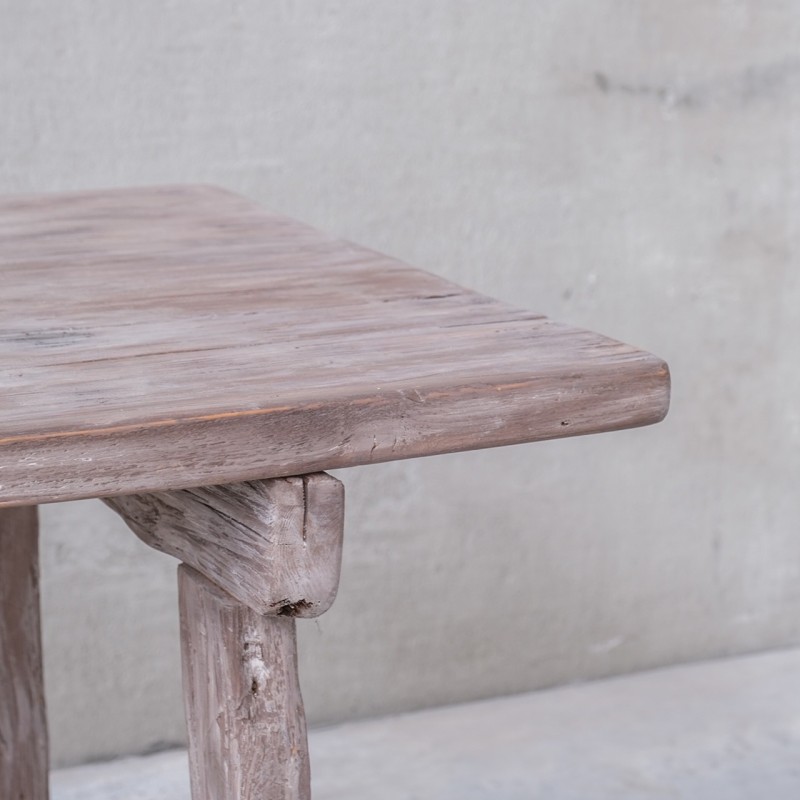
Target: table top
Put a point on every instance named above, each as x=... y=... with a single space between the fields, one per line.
x=169 y=337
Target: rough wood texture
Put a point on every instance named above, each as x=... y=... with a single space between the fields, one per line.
x=156 y=339
x=275 y=545
x=23 y=723
x=247 y=731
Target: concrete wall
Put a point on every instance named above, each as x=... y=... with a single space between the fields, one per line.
x=629 y=166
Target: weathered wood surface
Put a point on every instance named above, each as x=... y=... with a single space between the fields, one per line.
x=156 y=339
x=274 y=545
x=247 y=730
x=23 y=722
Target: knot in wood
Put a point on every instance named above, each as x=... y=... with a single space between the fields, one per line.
x=256 y=671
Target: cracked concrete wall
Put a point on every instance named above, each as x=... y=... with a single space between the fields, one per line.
x=630 y=167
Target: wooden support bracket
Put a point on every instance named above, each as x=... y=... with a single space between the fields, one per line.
x=275 y=545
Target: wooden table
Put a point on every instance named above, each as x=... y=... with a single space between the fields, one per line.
x=153 y=341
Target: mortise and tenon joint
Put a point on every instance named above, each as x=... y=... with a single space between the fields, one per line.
x=255 y=555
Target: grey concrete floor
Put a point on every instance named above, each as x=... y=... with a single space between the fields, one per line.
x=724 y=730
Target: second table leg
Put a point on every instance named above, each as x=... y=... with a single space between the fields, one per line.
x=23 y=720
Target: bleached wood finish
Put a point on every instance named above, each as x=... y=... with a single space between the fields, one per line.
x=155 y=339
x=23 y=723
x=247 y=730
x=274 y=545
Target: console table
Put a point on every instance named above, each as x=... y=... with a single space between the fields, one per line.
x=197 y=362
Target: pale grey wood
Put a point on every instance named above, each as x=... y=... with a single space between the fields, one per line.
x=247 y=730
x=275 y=545
x=23 y=722
x=154 y=339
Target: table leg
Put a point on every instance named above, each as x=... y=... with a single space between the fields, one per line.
x=23 y=720
x=255 y=555
x=244 y=711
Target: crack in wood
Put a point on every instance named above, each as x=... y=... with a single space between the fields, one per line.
x=305 y=510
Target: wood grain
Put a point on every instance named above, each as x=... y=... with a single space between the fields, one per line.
x=23 y=722
x=247 y=730
x=156 y=339
x=274 y=545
